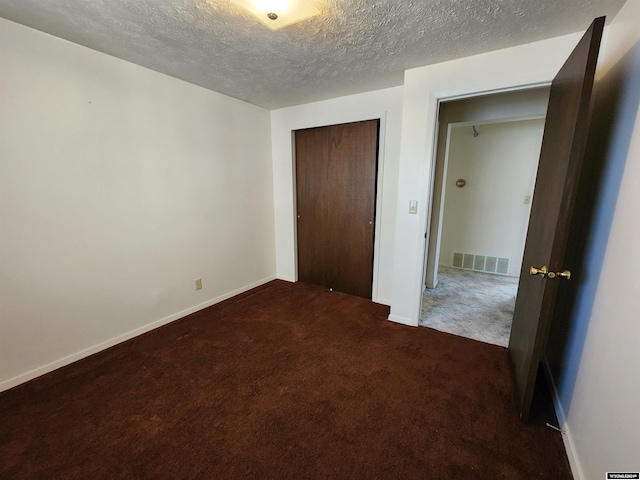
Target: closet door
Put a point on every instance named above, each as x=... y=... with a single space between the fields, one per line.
x=336 y=171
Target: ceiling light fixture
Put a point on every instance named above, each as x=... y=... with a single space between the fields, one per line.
x=276 y=14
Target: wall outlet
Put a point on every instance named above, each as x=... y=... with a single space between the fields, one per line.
x=198 y=284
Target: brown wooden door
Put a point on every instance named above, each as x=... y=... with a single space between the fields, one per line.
x=561 y=159
x=336 y=170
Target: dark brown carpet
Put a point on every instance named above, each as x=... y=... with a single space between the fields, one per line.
x=288 y=381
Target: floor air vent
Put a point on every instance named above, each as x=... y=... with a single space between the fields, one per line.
x=481 y=263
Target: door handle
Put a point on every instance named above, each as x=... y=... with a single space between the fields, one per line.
x=544 y=273
x=566 y=274
x=538 y=271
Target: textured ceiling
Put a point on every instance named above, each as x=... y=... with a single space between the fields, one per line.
x=352 y=46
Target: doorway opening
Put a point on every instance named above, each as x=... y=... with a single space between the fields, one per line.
x=482 y=183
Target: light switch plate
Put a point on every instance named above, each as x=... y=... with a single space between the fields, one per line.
x=413 y=206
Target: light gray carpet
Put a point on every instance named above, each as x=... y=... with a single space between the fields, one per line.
x=471 y=304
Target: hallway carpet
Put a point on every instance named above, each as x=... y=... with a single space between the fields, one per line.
x=471 y=304
x=287 y=381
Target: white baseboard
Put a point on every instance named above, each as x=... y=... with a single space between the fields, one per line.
x=402 y=320
x=286 y=278
x=382 y=301
x=25 y=377
x=432 y=285
x=569 y=446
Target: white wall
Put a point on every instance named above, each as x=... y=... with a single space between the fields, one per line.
x=598 y=384
x=489 y=215
x=119 y=187
x=529 y=64
x=383 y=104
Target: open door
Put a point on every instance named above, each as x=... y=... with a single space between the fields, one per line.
x=561 y=158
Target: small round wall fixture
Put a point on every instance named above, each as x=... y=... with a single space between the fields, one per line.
x=272 y=16
x=461 y=182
